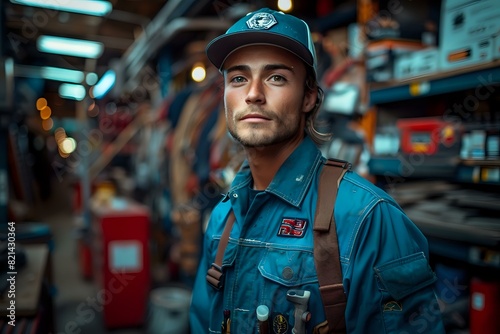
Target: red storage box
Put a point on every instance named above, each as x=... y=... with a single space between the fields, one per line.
x=484 y=307
x=121 y=261
x=425 y=135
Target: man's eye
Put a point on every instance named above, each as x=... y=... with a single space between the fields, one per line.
x=238 y=79
x=277 y=78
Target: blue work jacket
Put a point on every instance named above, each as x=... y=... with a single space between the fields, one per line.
x=384 y=256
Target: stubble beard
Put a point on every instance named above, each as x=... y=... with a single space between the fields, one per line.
x=255 y=138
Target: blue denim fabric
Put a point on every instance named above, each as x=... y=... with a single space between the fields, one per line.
x=386 y=275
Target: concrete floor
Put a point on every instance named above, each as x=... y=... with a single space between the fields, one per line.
x=71 y=289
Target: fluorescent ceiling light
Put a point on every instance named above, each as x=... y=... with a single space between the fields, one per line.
x=61 y=74
x=69 y=46
x=51 y=73
x=104 y=85
x=71 y=91
x=87 y=7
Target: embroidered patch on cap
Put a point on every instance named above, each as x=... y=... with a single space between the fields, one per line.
x=261 y=21
x=292 y=227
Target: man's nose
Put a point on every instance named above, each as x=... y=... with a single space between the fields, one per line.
x=256 y=93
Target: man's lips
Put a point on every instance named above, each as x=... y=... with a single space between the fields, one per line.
x=254 y=117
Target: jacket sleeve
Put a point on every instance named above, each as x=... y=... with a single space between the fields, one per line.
x=389 y=282
x=200 y=306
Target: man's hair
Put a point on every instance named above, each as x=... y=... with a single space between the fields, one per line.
x=318 y=137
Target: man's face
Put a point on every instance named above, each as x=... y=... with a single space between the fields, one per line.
x=265 y=97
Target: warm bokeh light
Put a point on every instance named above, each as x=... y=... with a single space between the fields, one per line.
x=93 y=110
x=45 y=113
x=68 y=145
x=47 y=124
x=198 y=73
x=41 y=103
x=62 y=154
x=59 y=135
x=285 y=5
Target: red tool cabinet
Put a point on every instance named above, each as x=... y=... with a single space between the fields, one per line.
x=120 y=232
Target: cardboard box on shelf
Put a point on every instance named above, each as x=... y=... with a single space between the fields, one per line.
x=381 y=55
x=416 y=63
x=467 y=32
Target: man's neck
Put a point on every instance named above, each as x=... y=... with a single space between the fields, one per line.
x=265 y=162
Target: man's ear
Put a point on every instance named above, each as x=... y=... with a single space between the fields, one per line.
x=310 y=98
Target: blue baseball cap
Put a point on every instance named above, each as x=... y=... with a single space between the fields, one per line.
x=268 y=27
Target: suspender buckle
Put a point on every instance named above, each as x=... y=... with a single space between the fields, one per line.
x=215 y=276
x=339 y=163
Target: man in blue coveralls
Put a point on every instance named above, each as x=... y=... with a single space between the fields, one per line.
x=271 y=99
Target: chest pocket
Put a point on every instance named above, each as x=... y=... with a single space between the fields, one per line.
x=404 y=276
x=288 y=267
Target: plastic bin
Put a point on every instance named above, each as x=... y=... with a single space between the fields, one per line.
x=169 y=311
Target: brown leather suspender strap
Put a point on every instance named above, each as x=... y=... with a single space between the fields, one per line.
x=214 y=274
x=326 y=248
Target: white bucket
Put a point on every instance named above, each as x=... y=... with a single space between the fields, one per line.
x=169 y=311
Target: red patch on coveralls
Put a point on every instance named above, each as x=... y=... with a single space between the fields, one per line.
x=292 y=227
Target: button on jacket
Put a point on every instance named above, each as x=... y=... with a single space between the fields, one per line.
x=384 y=257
